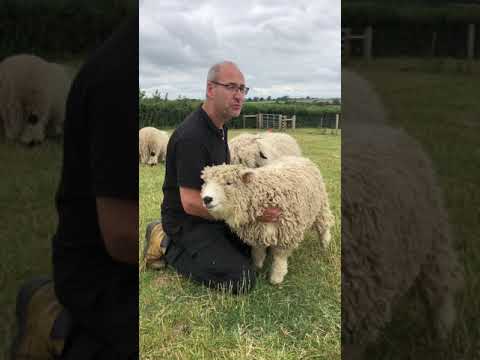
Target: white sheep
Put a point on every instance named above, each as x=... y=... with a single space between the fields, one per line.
x=152 y=145
x=395 y=233
x=33 y=95
x=239 y=195
x=255 y=150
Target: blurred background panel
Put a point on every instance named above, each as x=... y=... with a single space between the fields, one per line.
x=410 y=194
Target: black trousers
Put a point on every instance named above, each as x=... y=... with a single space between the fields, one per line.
x=211 y=254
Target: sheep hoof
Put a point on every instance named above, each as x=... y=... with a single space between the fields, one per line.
x=259 y=265
x=276 y=279
x=326 y=237
x=446 y=316
x=157 y=264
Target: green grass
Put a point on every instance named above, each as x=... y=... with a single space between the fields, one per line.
x=300 y=319
x=439 y=107
x=28 y=221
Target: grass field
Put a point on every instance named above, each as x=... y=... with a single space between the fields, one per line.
x=28 y=220
x=437 y=103
x=299 y=319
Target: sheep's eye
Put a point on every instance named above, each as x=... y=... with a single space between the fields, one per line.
x=229 y=183
x=152 y=154
x=262 y=156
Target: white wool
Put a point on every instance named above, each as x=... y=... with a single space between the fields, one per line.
x=239 y=196
x=255 y=150
x=395 y=233
x=33 y=95
x=152 y=145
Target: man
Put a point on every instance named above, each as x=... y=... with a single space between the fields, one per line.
x=95 y=248
x=201 y=248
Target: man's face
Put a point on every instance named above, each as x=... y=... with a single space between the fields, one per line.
x=228 y=102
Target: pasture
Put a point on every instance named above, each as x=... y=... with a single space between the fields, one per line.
x=28 y=221
x=300 y=319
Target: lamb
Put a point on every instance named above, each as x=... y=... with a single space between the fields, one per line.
x=255 y=150
x=238 y=195
x=152 y=145
x=33 y=95
x=395 y=233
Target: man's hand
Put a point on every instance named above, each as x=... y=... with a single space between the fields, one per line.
x=270 y=215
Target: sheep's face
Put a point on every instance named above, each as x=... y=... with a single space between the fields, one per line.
x=34 y=130
x=221 y=189
x=264 y=154
x=254 y=155
x=152 y=158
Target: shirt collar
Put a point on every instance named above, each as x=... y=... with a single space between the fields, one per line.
x=220 y=133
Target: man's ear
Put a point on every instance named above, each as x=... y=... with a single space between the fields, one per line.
x=209 y=89
x=247 y=175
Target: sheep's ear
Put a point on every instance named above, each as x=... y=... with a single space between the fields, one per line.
x=247 y=176
x=263 y=149
x=203 y=172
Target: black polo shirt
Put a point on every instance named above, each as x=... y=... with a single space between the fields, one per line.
x=196 y=143
x=99 y=160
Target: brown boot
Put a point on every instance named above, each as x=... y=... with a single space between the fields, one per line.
x=38 y=310
x=155 y=246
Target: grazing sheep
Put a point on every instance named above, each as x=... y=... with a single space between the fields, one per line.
x=33 y=95
x=255 y=150
x=152 y=145
x=239 y=195
x=395 y=233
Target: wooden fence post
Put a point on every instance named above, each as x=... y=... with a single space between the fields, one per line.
x=346 y=43
x=470 y=46
x=367 y=43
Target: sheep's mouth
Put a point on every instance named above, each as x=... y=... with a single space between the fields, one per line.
x=210 y=206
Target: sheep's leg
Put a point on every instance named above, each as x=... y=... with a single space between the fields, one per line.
x=279 y=265
x=13 y=121
x=55 y=127
x=258 y=254
x=440 y=280
x=323 y=232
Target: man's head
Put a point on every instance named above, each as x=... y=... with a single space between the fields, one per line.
x=225 y=90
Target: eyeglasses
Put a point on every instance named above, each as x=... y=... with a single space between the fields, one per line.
x=234 y=87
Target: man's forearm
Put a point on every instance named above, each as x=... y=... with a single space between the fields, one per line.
x=118 y=221
x=192 y=203
x=198 y=210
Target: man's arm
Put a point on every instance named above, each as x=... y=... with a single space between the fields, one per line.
x=192 y=203
x=118 y=221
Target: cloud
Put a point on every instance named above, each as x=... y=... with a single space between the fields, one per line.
x=282 y=47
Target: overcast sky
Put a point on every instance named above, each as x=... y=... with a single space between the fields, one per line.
x=282 y=47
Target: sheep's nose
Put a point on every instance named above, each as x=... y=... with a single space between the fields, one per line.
x=207 y=200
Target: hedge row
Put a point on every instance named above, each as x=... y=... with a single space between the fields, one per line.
x=59 y=27
x=170 y=113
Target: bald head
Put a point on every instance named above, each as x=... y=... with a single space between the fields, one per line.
x=217 y=69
